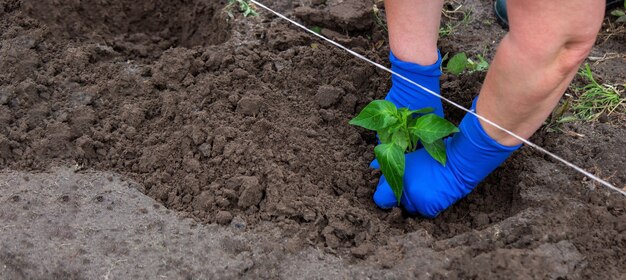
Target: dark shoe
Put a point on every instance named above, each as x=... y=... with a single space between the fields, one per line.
x=499 y=6
x=500 y=9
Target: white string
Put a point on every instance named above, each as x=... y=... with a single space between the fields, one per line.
x=528 y=143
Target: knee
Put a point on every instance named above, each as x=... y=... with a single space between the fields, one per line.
x=556 y=35
x=573 y=52
x=562 y=54
x=547 y=63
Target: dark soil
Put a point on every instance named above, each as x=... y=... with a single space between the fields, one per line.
x=246 y=119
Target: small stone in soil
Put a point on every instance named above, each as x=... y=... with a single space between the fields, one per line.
x=328 y=95
x=252 y=193
x=223 y=217
x=327 y=115
x=5 y=96
x=240 y=73
x=238 y=223
x=205 y=149
x=362 y=251
x=249 y=106
x=329 y=236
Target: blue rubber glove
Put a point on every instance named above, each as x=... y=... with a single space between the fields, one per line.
x=405 y=94
x=429 y=187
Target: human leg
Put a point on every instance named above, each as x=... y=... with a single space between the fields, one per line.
x=501 y=11
x=413 y=33
x=534 y=64
x=414 y=29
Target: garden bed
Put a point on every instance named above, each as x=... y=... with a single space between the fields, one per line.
x=246 y=119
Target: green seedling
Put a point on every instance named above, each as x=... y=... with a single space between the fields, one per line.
x=596 y=99
x=400 y=131
x=316 y=29
x=620 y=14
x=244 y=7
x=446 y=30
x=460 y=63
x=559 y=116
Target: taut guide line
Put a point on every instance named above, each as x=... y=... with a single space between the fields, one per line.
x=528 y=143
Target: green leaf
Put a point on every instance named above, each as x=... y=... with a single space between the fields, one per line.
x=316 y=29
x=471 y=65
x=482 y=65
x=431 y=127
x=401 y=138
x=377 y=115
x=457 y=64
x=413 y=139
x=567 y=119
x=250 y=12
x=423 y=111
x=411 y=123
x=618 y=13
x=404 y=113
x=437 y=150
x=384 y=136
x=391 y=160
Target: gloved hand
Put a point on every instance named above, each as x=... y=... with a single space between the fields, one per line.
x=429 y=187
x=405 y=94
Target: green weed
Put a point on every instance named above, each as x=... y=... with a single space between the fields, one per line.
x=460 y=63
x=596 y=99
x=620 y=14
x=560 y=115
x=447 y=29
x=244 y=7
x=316 y=29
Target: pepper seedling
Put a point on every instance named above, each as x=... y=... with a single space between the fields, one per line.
x=400 y=131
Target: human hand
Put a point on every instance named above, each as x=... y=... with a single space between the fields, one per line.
x=429 y=187
x=406 y=95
